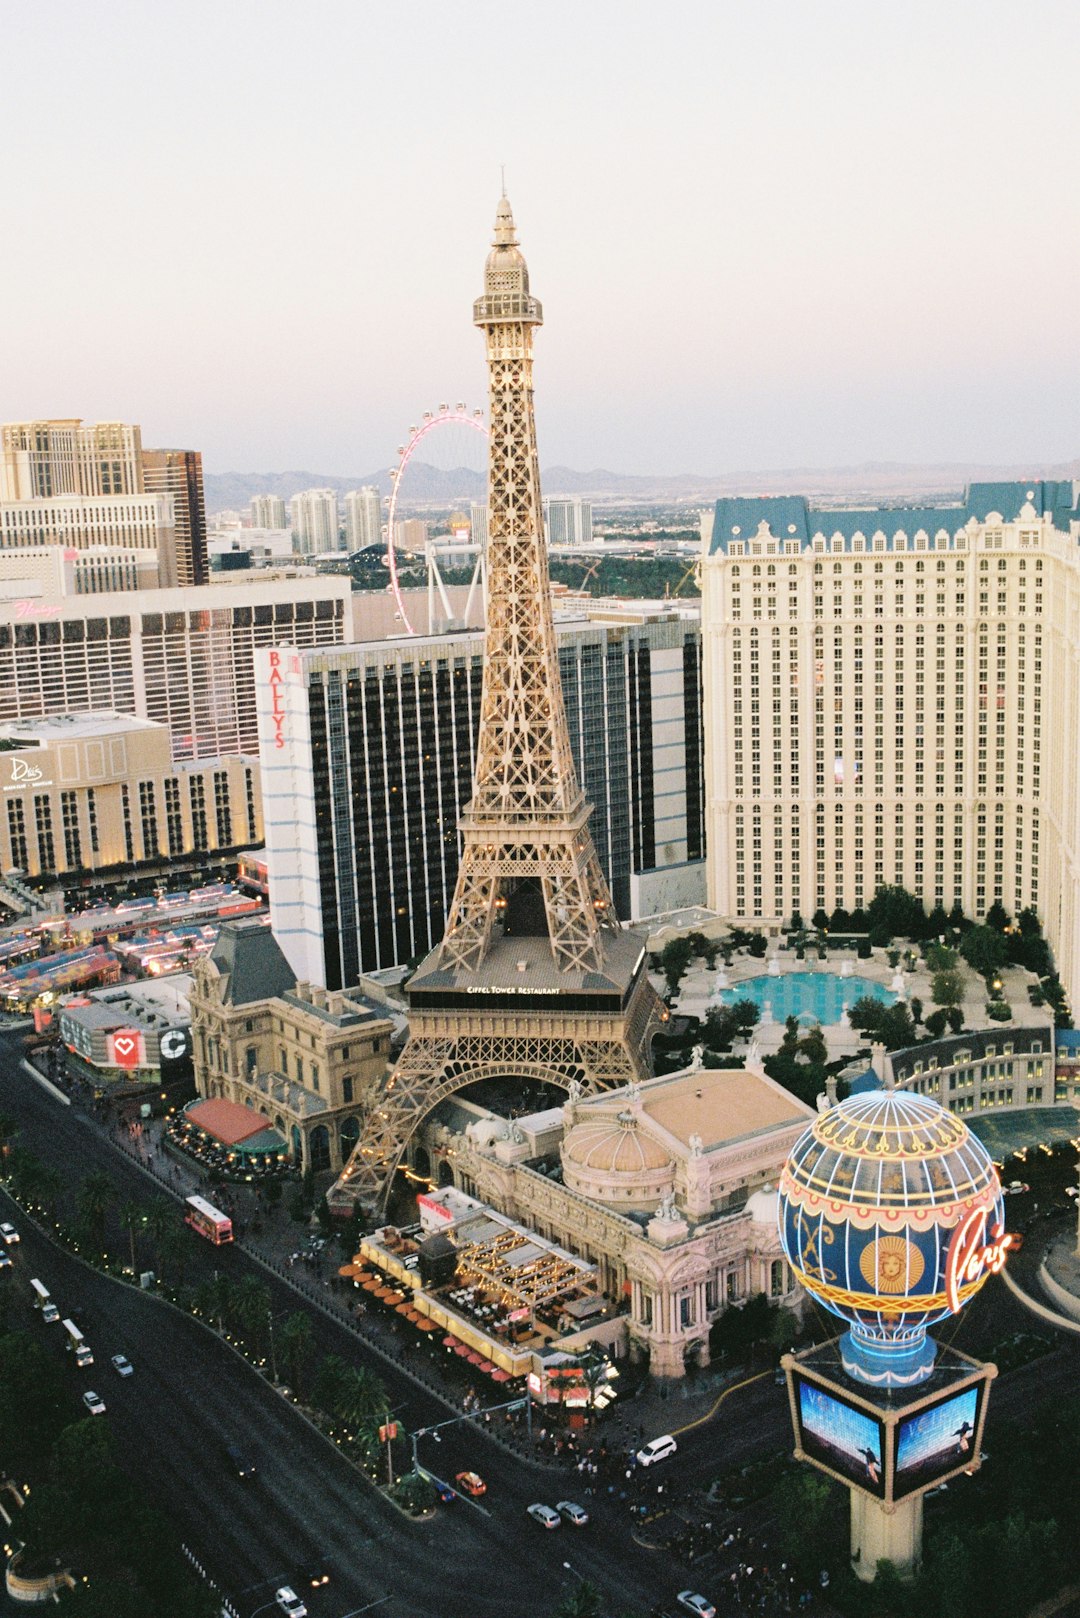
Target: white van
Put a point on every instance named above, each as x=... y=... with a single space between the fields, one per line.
x=42 y=1301
x=657 y=1449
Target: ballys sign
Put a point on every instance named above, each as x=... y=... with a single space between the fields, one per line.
x=23 y=771
x=976 y=1247
x=281 y=664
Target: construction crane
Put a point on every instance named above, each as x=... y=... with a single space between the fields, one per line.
x=693 y=571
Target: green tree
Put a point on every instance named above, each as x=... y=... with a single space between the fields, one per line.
x=34 y=1402
x=158 y=1218
x=675 y=957
x=250 y=1311
x=213 y=1298
x=947 y=988
x=983 y=949
x=95 y=1197
x=897 y=910
x=939 y=958
x=132 y=1219
x=802 y=1505
x=329 y=1391
x=297 y=1341
x=583 y=1601
x=997 y=916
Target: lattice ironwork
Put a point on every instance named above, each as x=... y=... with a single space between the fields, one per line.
x=528 y=820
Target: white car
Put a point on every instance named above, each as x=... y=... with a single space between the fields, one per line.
x=122 y=1365
x=570 y=1512
x=288 y=1600
x=94 y=1403
x=545 y=1516
x=8 y=1234
x=696 y=1604
x=657 y=1449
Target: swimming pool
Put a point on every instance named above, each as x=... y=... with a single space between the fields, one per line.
x=810 y=996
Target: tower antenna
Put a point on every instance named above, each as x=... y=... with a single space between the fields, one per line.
x=502 y=177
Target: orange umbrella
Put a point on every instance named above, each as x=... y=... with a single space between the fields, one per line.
x=402 y=1308
x=347 y=1269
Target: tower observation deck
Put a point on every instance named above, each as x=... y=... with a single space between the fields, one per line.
x=535 y=977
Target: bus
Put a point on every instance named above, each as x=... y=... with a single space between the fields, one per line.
x=78 y=1343
x=207 y=1220
x=42 y=1301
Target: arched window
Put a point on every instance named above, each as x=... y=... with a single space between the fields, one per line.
x=348 y=1135
x=319 y=1148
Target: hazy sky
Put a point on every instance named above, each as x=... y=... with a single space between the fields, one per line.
x=766 y=233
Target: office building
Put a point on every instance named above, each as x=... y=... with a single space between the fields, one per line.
x=889 y=698
x=363 y=518
x=268 y=511
x=478 y=523
x=181 y=658
x=178 y=472
x=93 y=791
x=411 y=535
x=42 y=459
x=368 y=754
x=315 y=522
x=37 y=575
x=569 y=522
x=80 y=522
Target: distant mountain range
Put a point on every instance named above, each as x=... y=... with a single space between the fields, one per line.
x=873 y=482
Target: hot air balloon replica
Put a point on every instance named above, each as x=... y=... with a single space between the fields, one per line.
x=892 y=1218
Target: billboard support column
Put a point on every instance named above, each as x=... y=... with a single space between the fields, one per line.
x=881 y=1533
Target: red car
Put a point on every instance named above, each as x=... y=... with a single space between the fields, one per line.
x=471 y=1483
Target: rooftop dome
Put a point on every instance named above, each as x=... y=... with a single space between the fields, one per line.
x=621 y=1148
x=614 y=1160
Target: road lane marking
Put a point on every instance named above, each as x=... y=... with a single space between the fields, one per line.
x=709 y=1414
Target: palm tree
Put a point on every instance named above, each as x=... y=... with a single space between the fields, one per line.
x=158 y=1218
x=95 y=1197
x=364 y=1406
x=251 y=1309
x=583 y=1601
x=8 y=1130
x=298 y=1337
x=132 y=1218
x=173 y=1249
x=329 y=1391
x=214 y=1298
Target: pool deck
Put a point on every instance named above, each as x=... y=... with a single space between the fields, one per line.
x=696 y=992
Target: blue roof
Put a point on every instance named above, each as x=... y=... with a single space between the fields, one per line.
x=790 y=517
x=1067 y=1039
x=865 y=1081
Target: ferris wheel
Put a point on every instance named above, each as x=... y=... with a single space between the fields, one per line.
x=450 y=431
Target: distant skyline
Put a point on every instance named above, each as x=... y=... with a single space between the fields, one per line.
x=764 y=237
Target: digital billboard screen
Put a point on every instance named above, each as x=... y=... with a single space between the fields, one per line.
x=841 y=1437
x=937 y=1440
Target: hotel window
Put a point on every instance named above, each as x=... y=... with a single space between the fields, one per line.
x=731 y=1286
x=776 y=1278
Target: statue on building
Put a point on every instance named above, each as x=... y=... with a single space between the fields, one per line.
x=697 y=1059
x=697 y=1145
x=667 y=1208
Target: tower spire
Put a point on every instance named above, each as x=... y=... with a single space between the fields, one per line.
x=526 y=826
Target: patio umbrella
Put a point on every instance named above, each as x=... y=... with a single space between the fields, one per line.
x=500 y=1376
x=395 y=1297
x=475 y=1358
x=425 y=1325
x=347 y=1269
x=464 y=1351
x=450 y=1342
x=486 y=1366
x=369 y=1286
x=403 y=1308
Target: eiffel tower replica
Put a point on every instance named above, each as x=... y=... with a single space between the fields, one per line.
x=534 y=978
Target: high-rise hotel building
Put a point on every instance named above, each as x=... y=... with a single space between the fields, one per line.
x=367 y=755
x=893 y=696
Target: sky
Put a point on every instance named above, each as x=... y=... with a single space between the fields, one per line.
x=767 y=235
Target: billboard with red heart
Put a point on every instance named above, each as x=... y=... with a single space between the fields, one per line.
x=127 y=1048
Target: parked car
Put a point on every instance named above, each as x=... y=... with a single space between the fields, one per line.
x=94 y=1403
x=122 y=1365
x=444 y=1491
x=8 y=1234
x=471 y=1483
x=544 y=1516
x=657 y=1449
x=289 y=1602
x=572 y=1513
x=696 y=1604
